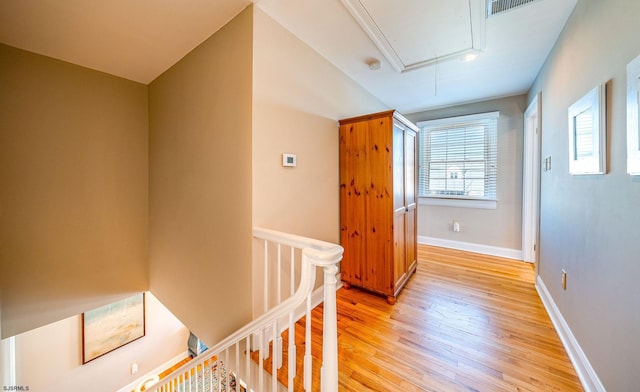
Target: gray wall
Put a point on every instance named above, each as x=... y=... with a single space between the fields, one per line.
x=73 y=189
x=200 y=183
x=589 y=224
x=501 y=227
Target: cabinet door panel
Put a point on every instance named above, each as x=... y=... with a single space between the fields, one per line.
x=410 y=168
x=378 y=273
x=353 y=184
x=398 y=167
x=410 y=198
x=399 y=251
x=410 y=237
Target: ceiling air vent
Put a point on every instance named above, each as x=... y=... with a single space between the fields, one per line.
x=495 y=7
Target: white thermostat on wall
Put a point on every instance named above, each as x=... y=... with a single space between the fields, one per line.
x=289 y=160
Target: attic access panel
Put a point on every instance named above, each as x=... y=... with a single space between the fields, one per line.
x=421 y=32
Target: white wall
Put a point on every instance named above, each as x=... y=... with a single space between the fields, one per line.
x=298 y=98
x=589 y=224
x=49 y=358
x=499 y=228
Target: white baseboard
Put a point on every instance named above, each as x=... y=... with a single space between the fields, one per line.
x=471 y=247
x=586 y=373
x=131 y=386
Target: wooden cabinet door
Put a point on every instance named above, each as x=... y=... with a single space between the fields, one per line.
x=410 y=197
x=353 y=189
x=399 y=205
x=378 y=274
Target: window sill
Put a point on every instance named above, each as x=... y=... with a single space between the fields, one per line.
x=463 y=203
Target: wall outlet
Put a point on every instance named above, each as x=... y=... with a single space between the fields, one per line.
x=564 y=279
x=456 y=226
x=134 y=368
x=546 y=165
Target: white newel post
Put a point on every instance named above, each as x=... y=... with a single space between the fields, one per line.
x=329 y=371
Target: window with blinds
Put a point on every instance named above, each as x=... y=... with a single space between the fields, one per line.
x=587 y=133
x=458 y=157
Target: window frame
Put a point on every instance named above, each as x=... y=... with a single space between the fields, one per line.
x=633 y=108
x=595 y=160
x=486 y=202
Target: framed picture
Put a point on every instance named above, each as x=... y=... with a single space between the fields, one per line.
x=106 y=328
x=587 y=133
x=633 y=106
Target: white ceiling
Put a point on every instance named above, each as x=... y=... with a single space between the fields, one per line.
x=517 y=44
x=140 y=39
x=421 y=32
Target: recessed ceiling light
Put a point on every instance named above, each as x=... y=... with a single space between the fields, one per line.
x=469 y=57
x=373 y=64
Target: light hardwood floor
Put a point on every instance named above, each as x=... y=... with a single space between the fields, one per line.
x=464 y=322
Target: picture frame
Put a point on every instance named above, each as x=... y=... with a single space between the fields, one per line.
x=112 y=326
x=633 y=107
x=587 y=133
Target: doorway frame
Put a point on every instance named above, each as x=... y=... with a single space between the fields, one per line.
x=531 y=181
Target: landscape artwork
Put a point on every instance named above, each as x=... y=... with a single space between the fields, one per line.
x=106 y=328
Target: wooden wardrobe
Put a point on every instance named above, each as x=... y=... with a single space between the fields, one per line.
x=378 y=202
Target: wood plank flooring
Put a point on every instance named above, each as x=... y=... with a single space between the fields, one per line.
x=464 y=322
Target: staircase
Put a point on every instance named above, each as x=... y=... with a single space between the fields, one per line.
x=228 y=366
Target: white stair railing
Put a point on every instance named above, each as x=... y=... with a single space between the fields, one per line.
x=227 y=366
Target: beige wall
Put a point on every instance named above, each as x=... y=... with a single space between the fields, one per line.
x=298 y=98
x=200 y=183
x=49 y=358
x=589 y=224
x=73 y=199
x=500 y=227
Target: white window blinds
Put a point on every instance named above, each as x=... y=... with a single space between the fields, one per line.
x=458 y=157
x=583 y=135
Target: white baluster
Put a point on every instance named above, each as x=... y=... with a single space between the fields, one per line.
x=225 y=370
x=195 y=377
x=266 y=276
x=247 y=359
x=260 y=359
x=307 y=347
x=212 y=382
x=292 y=351
x=293 y=271
x=274 y=358
x=277 y=350
x=218 y=373
x=266 y=292
x=237 y=369
x=329 y=380
x=279 y=274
